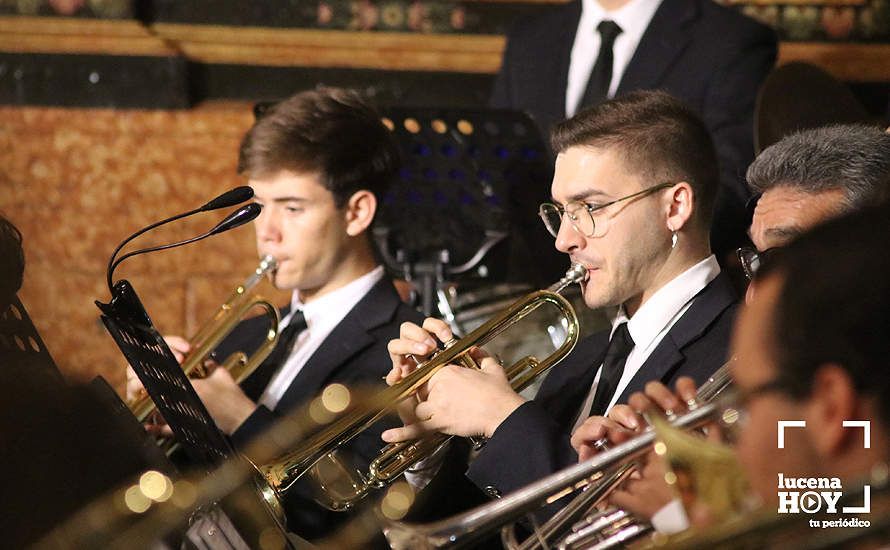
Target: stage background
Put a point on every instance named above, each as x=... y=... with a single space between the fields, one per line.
x=117 y=113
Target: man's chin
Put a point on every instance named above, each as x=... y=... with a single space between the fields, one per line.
x=594 y=296
x=283 y=282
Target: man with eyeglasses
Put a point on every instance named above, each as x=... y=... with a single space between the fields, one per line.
x=633 y=195
x=811 y=347
x=830 y=287
x=810 y=177
x=803 y=180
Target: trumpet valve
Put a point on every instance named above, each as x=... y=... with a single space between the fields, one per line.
x=601 y=444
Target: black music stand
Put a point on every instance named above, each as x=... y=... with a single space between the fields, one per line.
x=464 y=207
x=163 y=378
x=205 y=445
x=20 y=343
x=51 y=429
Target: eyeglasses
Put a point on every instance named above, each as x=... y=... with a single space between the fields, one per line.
x=752 y=260
x=581 y=213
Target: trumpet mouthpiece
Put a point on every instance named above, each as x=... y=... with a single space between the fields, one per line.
x=577 y=273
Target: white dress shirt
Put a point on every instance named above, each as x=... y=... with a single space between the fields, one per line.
x=652 y=321
x=633 y=18
x=322 y=316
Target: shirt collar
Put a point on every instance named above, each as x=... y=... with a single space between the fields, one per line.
x=328 y=310
x=633 y=17
x=663 y=306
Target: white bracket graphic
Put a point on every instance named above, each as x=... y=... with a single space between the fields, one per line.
x=866 y=429
x=782 y=424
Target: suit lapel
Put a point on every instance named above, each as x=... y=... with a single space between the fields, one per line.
x=668 y=355
x=566 y=387
x=349 y=337
x=664 y=40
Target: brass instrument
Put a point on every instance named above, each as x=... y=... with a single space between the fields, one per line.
x=611 y=526
x=698 y=470
x=241 y=301
x=467 y=527
x=317 y=456
x=144 y=511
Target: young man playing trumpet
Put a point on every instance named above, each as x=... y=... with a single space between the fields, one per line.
x=633 y=195
x=803 y=180
x=811 y=349
x=318 y=163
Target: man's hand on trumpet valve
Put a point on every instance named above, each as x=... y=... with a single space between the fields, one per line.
x=656 y=397
x=456 y=400
x=413 y=345
x=621 y=424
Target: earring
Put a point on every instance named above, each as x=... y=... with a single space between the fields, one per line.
x=673 y=237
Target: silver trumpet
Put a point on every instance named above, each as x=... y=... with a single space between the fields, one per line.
x=611 y=527
x=469 y=526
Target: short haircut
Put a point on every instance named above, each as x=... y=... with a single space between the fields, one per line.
x=13 y=263
x=852 y=157
x=834 y=306
x=658 y=136
x=329 y=131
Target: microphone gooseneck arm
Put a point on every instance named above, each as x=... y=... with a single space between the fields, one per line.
x=229 y=198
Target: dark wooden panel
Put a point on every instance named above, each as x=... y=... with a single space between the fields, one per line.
x=93 y=81
x=256 y=83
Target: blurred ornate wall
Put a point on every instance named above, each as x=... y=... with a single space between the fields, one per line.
x=144 y=103
x=76 y=182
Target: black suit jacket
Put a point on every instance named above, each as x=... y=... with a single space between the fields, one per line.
x=711 y=57
x=353 y=354
x=534 y=441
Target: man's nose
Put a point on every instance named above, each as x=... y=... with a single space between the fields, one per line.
x=567 y=239
x=267 y=229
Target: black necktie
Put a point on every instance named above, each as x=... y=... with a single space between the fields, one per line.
x=613 y=367
x=256 y=383
x=601 y=75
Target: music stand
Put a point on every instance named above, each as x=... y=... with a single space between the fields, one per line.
x=127 y=321
x=21 y=344
x=464 y=205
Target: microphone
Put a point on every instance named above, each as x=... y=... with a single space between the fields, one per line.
x=229 y=198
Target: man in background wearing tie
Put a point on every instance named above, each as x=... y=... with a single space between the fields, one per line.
x=319 y=163
x=710 y=56
x=633 y=195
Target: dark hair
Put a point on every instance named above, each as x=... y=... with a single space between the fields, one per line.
x=658 y=136
x=834 y=305
x=331 y=131
x=12 y=264
x=851 y=157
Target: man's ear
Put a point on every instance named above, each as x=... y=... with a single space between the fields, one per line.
x=359 y=212
x=681 y=205
x=833 y=399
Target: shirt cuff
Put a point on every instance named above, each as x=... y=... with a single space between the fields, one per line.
x=423 y=471
x=671 y=518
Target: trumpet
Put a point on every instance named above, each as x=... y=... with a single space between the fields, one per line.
x=469 y=526
x=318 y=456
x=610 y=526
x=230 y=313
